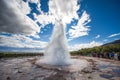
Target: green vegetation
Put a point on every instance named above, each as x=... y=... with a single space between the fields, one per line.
x=18 y=54
x=100 y=49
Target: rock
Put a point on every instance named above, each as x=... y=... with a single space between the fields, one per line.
x=87 y=70
x=8 y=78
x=95 y=68
x=19 y=71
x=89 y=77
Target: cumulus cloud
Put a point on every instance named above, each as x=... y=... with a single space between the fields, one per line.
x=34 y=1
x=86 y=45
x=13 y=18
x=44 y=19
x=80 y=29
x=97 y=36
x=21 y=41
x=113 y=35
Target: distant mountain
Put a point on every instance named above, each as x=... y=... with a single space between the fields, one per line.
x=113 y=42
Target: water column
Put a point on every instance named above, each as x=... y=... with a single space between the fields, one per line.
x=56 y=53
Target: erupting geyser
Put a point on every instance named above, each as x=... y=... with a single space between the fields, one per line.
x=56 y=52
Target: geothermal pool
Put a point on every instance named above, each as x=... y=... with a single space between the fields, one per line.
x=75 y=65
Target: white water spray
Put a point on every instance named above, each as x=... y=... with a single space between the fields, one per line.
x=56 y=52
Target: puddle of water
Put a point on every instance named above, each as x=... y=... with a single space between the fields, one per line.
x=103 y=66
x=116 y=72
x=108 y=66
x=107 y=76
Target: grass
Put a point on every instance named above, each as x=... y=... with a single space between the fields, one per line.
x=18 y=54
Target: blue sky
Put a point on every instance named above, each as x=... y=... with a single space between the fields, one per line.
x=98 y=22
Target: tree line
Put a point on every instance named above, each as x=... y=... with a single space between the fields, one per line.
x=100 y=49
x=18 y=54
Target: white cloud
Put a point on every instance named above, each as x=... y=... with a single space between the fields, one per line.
x=20 y=5
x=97 y=36
x=105 y=40
x=13 y=18
x=80 y=29
x=76 y=47
x=34 y=1
x=44 y=19
x=113 y=35
x=21 y=41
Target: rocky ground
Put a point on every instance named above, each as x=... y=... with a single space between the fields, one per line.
x=26 y=69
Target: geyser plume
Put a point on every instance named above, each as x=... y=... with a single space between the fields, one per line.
x=56 y=52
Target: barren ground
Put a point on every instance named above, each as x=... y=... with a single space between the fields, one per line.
x=26 y=69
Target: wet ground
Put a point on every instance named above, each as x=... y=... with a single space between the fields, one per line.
x=26 y=69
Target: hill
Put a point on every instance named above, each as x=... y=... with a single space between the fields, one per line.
x=113 y=42
x=113 y=46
